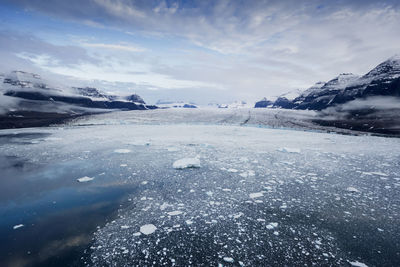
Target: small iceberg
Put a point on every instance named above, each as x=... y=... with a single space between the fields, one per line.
x=18 y=226
x=85 y=179
x=186 y=163
x=148 y=229
x=352 y=189
x=256 y=195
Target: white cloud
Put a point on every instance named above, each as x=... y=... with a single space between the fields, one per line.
x=120 y=47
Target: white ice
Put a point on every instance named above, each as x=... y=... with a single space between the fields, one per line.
x=85 y=179
x=186 y=163
x=148 y=229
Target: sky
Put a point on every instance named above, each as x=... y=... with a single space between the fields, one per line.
x=197 y=51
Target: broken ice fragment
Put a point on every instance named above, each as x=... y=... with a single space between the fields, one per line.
x=174 y=213
x=256 y=195
x=186 y=163
x=357 y=264
x=229 y=259
x=148 y=229
x=18 y=226
x=352 y=189
x=85 y=179
x=272 y=225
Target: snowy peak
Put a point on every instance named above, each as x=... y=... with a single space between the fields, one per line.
x=340 y=82
x=37 y=93
x=389 y=68
x=90 y=92
x=135 y=98
x=24 y=79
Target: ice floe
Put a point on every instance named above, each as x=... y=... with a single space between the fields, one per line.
x=18 y=226
x=85 y=179
x=186 y=163
x=357 y=264
x=256 y=195
x=148 y=229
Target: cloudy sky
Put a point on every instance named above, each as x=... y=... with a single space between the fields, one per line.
x=200 y=51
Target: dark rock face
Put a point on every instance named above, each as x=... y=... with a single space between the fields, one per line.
x=90 y=92
x=189 y=106
x=135 y=98
x=263 y=103
x=80 y=101
x=283 y=102
x=319 y=97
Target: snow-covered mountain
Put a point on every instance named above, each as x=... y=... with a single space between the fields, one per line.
x=31 y=92
x=321 y=94
x=383 y=80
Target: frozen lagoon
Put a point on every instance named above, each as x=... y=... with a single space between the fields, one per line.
x=276 y=208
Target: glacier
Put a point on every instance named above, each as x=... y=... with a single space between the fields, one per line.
x=332 y=200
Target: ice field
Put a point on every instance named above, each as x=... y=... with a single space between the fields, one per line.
x=216 y=188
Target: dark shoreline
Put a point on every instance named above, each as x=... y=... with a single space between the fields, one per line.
x=27 y=119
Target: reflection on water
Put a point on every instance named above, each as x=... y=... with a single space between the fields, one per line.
x=58 y=213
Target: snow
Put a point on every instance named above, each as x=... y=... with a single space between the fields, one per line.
x=85 y=179
x=148 y=229
x=186 y=163
x=357 y=264
x=18 y=226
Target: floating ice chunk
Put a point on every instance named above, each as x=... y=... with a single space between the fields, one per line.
x=164 y=205
x=125 y=226
x=85 y=179
x=18 y=226
x=174 y=213
x=232 y=170
x=137 y=234
x=186 y=163
x=144 y=182
x=352 y=189
x=375 y=173
x=148 y=229
x=122 y=151
x=229 y=259
x=256 y=195
x=172 y=149
x=189 y=222
x=238 y=215
x=357 y=264
x=123 y=165
x=244 y=174
x=272 y=225
x=289 y=150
